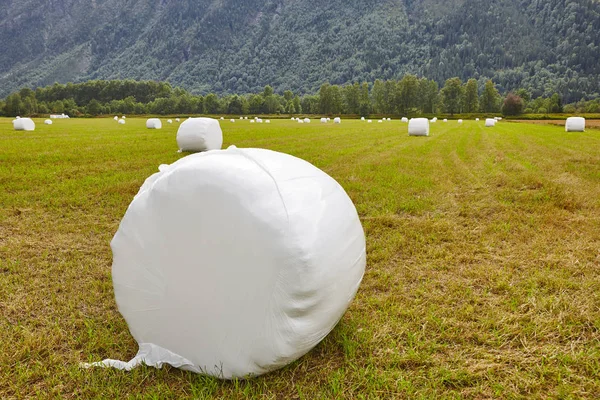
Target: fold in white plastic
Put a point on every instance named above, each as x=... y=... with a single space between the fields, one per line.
x=235 y=262
x=200 y=134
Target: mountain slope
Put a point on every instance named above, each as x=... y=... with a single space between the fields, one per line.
x=240 y=46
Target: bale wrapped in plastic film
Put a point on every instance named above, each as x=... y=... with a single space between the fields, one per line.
x=48 y=122
x=575 y=124
x=337 y=120
x=121 y=122
x=418 y=127
x=153 y=123
x=323 y=120
x=490 y=122
x=235 y=262
x=200 y=134
x=23 y=124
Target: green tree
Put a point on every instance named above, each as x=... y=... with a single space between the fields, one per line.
x=211 y=104
x=513 y=105
x=364 y=101
x=93 y=108
x=471 y=101
x=378 y=94
x=452 y=95
x=489 y=98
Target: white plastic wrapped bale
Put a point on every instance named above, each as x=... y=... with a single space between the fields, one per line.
x=24 y=124
x=445 y=120
x=293 y=119
x=116 y=118
x=380 y=121
x=123 y=117
x=200 y=134
x=251 y=121
x=370 y=121
x=177 y=119
x=389 y=119
x=234 y=263
x=267 y=121
x=499 y=118
x=48 y=122
x=418 y=127
x=222 y=118
x=300 y=121
x=232 y=120
x=259 y=120
x=362 y=118
x=476 y=119
x=404 y=119
x=121 y=122
x=153 y=123
x=328 y=119
x=169 y=121
x=490 y=122
x=575 y=124
x=460 y=121
x=323 y=120
x=307 y=120
x=337 y=120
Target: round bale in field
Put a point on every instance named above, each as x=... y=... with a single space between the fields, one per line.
x=251 y=121
x=232 y=263
x=177 y=120
x=418 y=127
x=445 y=120
x=369 y=121
x=460 y=121
x=362 y=118
x=490 y=122
x=267 y=121
x=575 y=124
x=199 y=134
x=404 y=119
x=24 y=124
x=337 y=120
x=48 y=122
x=153 y=123
x=116 y=118
x=232 y=120
x=169 y=121
x=323 y=120
x=300 y=121
x=121 y=122
x=307 y=120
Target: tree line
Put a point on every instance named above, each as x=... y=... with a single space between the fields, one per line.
x=409 y=96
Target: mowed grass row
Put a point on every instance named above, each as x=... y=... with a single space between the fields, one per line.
x=483 y=275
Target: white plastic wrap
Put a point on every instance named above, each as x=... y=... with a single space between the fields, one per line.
x=490 y=122
x=323 y=120
x=404 y=119
x=575 y=124
x=24 y=124
x=418 y=127
x=200 y=134
x=48 y=122
x=121 y=122
x=337 y=120
x=169 y=121
x=460 y=121
x=116 y=118
x=153 y=123
x=235 y=262
x=307 y=120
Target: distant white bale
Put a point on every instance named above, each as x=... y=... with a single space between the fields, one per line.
x=460 y=121
x=300 y=121
x=337 y=120
x=499 y=118
x=24 y=124
x=123 y=117
x=418 y=127
x=241 y=117
x=245 y=117
x=154 y=123
x=490 y=122
x=434 y=119
x=404 y=119
x=380 y=121
x=259 y=120
x=307 y=120
x=445 y=120
x=232 y=120
x=177 y=119
x=496 y=118
x=121 y=122
x=476 y=119
x=268 y=121
x=256 y=118
x=328 y=119
x=18 y=117
x=169 y=121
x=362 y=118
x=369 y=121
x=48 y=122
x=323 y=120
x=200 y=134
x=116 y=118
x=251 y=121
x=222 y=118
x=575 y=124
x=389 y=119
x=293 y=119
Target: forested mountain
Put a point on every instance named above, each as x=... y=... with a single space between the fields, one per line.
x=239 y=46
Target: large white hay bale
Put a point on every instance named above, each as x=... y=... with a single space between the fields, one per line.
x=307 y=120
x=418 y=127
x=389 y=119
x=476 y=119
x=259 y=120
x=293 y=119
x=380 y=121
x=460 y=121
x=121 y=122
x=222 y=118
x=300 y=121
x=404 y=119
x=245 y=117
x=445 y=120
x=232 y=120
x=362 y=118
x=200 y=134
x=48 y=122
x=337 y=120
x=323 y=120
x=370 y=121
x=328 y=119
x=153 y=123
x=575 y=124
x=123 y=117
x=490 y=122
x=24 y=124
x=232 y=263
x=116 y=118
x=169 y=121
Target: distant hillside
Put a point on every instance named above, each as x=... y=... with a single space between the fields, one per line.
x=239 y=46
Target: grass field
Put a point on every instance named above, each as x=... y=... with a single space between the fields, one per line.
x=483 y=274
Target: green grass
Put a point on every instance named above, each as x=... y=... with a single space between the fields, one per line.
x=483 y=275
